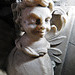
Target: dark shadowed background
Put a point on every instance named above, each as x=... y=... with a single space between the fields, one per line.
x=7 y=31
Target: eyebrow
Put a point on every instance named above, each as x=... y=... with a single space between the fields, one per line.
x=34 y=15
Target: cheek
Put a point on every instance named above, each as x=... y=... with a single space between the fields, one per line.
x=27 y=26
x=30 y=28
x=34 y=30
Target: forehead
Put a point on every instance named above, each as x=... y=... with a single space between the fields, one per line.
x=37 y=12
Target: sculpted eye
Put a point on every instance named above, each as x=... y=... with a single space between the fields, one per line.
x=47 y=19
x=38 y=22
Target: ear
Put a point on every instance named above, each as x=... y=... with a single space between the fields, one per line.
x=59 y=19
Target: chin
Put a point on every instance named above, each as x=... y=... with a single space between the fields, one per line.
x=38 y=34
x=41 y=35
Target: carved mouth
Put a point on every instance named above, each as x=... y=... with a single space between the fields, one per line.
x=40 y=31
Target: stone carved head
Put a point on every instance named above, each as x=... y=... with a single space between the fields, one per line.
x=30 y=14
x=36 y=20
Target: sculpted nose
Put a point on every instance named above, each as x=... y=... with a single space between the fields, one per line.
x=40 y=28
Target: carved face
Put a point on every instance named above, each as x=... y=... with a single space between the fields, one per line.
x=36 y=21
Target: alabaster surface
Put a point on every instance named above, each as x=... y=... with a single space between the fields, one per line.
x=30 y=54
x=38 y=27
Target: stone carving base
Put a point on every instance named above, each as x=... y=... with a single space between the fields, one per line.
x=26 y=65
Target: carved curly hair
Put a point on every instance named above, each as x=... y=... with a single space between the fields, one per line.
x=17 y=7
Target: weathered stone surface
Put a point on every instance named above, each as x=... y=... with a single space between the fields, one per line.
x=68 y=67
x=64 y=45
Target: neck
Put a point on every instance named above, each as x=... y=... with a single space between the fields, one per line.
x=35 y=37
x=27 y=40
